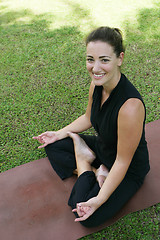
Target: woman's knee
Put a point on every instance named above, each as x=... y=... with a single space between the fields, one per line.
x=65 y=144
x=53 y=146
x=91 y=222
x=99 y=217
x=87 y=224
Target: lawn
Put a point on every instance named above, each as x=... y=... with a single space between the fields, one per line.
x=44 y=82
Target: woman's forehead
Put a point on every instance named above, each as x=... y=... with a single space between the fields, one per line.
x=100 y=48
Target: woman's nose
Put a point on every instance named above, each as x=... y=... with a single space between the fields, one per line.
x=96 y=67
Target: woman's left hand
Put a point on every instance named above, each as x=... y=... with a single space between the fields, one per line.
x=86 y=209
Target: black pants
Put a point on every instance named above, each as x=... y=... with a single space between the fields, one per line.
x=62 y=158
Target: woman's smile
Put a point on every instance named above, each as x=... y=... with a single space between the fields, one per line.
x=98 y=76
x=103 y=64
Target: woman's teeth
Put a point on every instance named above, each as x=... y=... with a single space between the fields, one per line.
x=99 y=75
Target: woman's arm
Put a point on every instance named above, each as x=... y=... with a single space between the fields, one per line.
x=130 y=126
x=83 y=122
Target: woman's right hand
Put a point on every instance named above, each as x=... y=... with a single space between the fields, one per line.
x=47 y=138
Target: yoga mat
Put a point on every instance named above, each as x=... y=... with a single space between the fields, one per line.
x=33 y=199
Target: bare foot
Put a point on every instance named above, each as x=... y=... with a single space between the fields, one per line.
x=101 y=174
x=82 y=151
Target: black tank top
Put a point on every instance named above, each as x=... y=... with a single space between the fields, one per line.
x=104 y=121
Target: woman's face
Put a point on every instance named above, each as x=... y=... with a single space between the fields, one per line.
x=102 y=63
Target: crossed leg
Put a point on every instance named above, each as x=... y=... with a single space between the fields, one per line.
x=85 y=157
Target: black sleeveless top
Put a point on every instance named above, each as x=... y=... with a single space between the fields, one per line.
x=104 y=121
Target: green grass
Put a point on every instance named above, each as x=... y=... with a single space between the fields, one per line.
x=44 y=82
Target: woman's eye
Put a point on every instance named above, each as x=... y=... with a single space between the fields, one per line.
x=89 y=60
x=105 y=60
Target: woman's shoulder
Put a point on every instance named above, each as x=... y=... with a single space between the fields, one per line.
x=131 y=109
x=91 y=90
x=92 y=86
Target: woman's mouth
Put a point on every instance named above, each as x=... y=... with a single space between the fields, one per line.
x=98 y=76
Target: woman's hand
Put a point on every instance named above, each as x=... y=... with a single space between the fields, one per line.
x=47 y=138
x=86 y=209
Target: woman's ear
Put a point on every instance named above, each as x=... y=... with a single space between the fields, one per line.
x=121 y=57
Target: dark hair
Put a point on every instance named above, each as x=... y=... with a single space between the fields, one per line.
x=109 y=35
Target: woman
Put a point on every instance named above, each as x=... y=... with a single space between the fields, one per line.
x=112 y=165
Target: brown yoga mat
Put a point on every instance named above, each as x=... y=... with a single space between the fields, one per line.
x=33 y=199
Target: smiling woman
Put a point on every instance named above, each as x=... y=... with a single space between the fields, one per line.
x=105 y=52
x=103 y=64
x=111 y=166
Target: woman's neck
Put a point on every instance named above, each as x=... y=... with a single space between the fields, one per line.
x=108 y=87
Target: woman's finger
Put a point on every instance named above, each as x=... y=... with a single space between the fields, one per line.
x=35 y=137
x=82 y=218
x=74 y=210
x=42 y=146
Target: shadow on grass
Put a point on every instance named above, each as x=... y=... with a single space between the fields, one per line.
x=42 y=77
x=142 y=61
